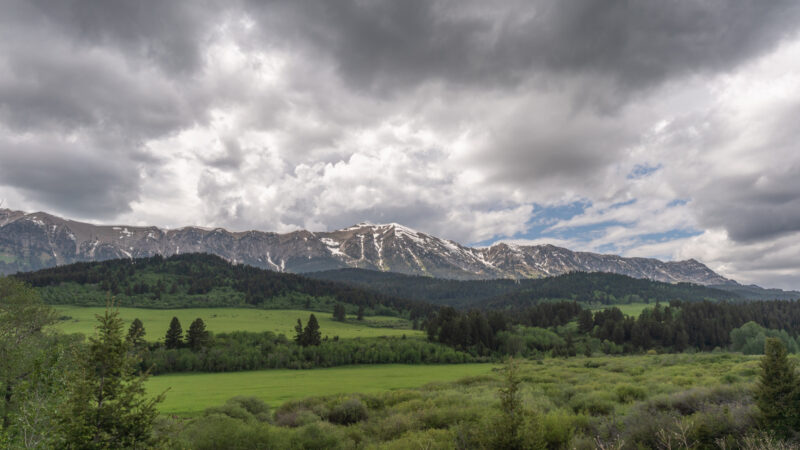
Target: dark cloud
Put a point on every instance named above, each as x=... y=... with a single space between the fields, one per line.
x=755 y=207
x=68 y=178
x=384 y=45
x=171 y=34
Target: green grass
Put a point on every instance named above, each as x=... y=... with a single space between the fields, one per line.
x=190 y=394
x=632 y=309
x=224 y=320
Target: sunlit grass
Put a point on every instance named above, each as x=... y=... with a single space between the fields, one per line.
x=223 y=320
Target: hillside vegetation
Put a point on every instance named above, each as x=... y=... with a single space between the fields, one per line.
x=202 y=280
x=601 y=288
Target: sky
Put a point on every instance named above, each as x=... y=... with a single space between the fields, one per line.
x=642 y=128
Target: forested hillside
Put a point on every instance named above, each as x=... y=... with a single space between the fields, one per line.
x=202 y=280
x=603 y=288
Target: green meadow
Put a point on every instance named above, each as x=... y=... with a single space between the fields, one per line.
x=634 y=401
x=630 y=309
x=79 y=319
x=190 y=394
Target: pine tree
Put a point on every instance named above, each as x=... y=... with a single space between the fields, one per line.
x=585 y=321
x=360 y=313
x=299 y=336
x=777 y=392
x=107 y=405
x=198 y=336
x=136 y=334
x=339 y=312
x=174 y=337
x=311 y=334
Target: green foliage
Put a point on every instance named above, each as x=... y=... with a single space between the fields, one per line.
x=198 y=337
x=174 y=336
x=23 y=317
x=248 y=409
x=136 y=334
x=602 y=288
x=339 y=312
x=231 y=352
x=750 y=339
x=348 y=412
x=777 y=392
x=202 y=280
x=107 y=406
x=658 y=401
x=310 y=335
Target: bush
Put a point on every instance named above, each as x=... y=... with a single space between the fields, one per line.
x=243 y=408
x=593 y=404
x=348 y=412
x=220 y=431
x=627 y=393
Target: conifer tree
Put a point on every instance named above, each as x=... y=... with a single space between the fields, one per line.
x=198 y=336
x=777 y=392
x=339 y=312
x=360 y=313
x=585 y=321
x=311 y=334
x=299 y=336
x=174 y=337
x=107 y=404
x=136 y=334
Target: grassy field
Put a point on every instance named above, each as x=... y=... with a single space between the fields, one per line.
x=223 y=320
x=190 y=394
x=632 y=309
x=637 y=401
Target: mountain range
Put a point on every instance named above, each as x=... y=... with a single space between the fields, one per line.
x=32 y=241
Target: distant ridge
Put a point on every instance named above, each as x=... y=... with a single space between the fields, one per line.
x=32 y=241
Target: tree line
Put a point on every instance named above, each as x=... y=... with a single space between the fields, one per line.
x=673 y=328
x=186 y=276
x=596 y=287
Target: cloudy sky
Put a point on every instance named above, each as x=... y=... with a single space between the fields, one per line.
x=653 y=128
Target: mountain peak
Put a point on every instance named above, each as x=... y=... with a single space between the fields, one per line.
x=30 y=245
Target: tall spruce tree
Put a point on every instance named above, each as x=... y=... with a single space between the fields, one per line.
x=777 y=392
x=299 y=336
x=360 y=313
x=174 y=337
x=311 y=332
x=136 y=334
x=107 y=404
x=198 y=336
x=339 y=312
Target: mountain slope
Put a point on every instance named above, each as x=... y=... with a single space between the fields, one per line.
x=584 y=287
x=39 y=240
x=203 y=280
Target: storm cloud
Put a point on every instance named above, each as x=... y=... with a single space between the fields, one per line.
x=665 y=129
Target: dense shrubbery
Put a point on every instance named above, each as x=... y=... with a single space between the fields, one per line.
x=627 y=403
x=751 y=337
x=252 y=351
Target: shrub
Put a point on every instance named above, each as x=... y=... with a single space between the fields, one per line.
x=219 y=431
x=627 y=393
x=348 y=412
x=594 y=404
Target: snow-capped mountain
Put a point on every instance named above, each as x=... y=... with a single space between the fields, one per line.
x=38 y=240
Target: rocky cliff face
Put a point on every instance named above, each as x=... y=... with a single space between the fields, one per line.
x=39 y=240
